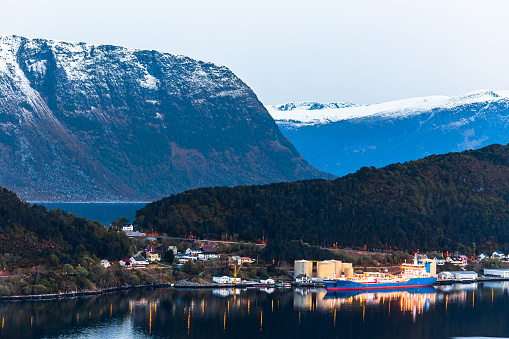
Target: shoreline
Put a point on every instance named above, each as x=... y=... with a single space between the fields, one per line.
x=77 y=294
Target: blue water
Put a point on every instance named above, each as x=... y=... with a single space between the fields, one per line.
x=475 y=310
x=105 y=213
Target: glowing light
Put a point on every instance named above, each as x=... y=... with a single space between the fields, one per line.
x=150 y=321
x=111 y=309
x=334 y=317
x=261 y=321
x=188 y=321
x=224 y=322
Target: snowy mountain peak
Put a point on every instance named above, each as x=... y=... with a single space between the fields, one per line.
x=312 y=113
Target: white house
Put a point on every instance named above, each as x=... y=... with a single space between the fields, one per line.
x=207 y=255
x=236 y=260
x=139 y=261
x=127 y=227
x=173 y=249
x=105 y=263
x=267 y=281
x=221 y=279
x=125 y=263
x=235 y=280
x=193 y=251
x=440 y=260
x=482 y=256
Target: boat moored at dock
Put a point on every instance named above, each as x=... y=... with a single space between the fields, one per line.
x=414 y=275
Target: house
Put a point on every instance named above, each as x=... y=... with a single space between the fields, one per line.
x=221 y=279
x=482 y=256
x=139 y=261
x=246 y=260
x=498 y=255
x=127 y=227
x=149 y=249
x=105 y=263
x=194 y=251
x=207 y=255
x=183 y=258
x=173 y=249
x=501 y=273
x=268 y=281
x=153 y=256
x=233 y=280
x=456 y=261
x=440 y=260
x=463 y=258
x=236 y=260
x=125 y=263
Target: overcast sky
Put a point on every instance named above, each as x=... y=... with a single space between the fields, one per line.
x=362 y=51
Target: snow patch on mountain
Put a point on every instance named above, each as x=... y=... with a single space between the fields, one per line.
x=311 y=113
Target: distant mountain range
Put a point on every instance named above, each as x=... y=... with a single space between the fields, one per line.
x=340 y=138
x=80 y=122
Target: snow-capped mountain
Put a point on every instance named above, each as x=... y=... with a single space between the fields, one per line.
x=86 y=122
x=342 y=140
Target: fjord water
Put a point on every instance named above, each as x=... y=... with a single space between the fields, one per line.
x=105 y=213
x=449 y=311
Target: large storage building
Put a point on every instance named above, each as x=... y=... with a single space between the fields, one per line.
x=500 y=272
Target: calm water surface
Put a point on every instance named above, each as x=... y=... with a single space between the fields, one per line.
x=445 y=312
x=105 y=213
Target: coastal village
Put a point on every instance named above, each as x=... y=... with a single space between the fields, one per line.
x=448 y=267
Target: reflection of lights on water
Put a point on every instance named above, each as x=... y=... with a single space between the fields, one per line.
x=261 y=321
x=224 y=322
x=248 y=303
x=111 y=309
x=77 y=318
x=188 y=321
x=150 y=321
x=299 y=317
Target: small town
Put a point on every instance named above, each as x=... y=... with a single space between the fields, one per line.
x=187 y=253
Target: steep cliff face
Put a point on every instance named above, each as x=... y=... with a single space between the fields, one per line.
x=83 y=122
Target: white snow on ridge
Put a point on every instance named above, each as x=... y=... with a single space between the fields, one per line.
x=299 y=114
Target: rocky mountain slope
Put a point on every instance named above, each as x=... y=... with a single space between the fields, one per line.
x=80 y=122
x=342 y=137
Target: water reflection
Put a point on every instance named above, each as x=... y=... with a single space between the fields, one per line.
x=453 y=310
x=414 y=300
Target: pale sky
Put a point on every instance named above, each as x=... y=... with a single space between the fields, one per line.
x=362 y=51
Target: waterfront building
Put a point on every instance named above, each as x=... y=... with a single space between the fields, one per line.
x=500 y=272
x=221 y=279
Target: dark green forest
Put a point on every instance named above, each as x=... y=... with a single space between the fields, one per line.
x=29 y=235
x=455 y=201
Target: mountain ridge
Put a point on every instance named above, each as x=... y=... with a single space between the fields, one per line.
x=343 y=140
x=81 y=122
x=453 y=201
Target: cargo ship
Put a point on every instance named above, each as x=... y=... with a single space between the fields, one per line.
x=414 y=275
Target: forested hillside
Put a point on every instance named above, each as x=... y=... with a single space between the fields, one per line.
x=455 y=201
x=30 y=235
